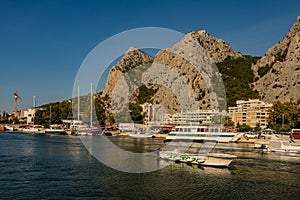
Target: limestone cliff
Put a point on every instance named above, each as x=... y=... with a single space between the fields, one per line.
x=194 y=58
x=184 y=77
x=217 y=48
x=278 y=72
x=131 y=59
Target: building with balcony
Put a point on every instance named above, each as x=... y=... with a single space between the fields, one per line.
x=196 y=117
x=252 y=113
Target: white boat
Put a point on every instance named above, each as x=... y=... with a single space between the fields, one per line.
x=9 y=128
x=140 y=133
x=137 y=135
x=211 y=159
x=135 y=130
x=282 y=146
x=261 y=145
x=34 y=129
x=78 y=127
x=55 y=129
x=201 y=133
x=217 y=160
x=88 y=131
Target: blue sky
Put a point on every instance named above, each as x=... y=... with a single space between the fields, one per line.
x=43 y=43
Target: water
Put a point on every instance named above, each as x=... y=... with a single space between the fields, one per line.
x=59 y=167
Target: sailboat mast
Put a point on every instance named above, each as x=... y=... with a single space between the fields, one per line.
x=91 y=105
x=34 y=105
x=50 y=114
x=78 y=103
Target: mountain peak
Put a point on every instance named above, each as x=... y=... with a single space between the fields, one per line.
x=202 y=32
x=132 y=58
x=217 y=48
x=132 y=49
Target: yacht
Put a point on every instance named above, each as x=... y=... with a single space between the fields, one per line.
x=78 y=127
x=201 y=133
x=84 y=131
x=34 y=129
x=56 y=129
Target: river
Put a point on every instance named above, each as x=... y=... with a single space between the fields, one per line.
x=60 y=167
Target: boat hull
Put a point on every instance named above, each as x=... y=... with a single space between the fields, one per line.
x=35 y=131
x=55 y=132
x=211 y=160
x=88 y=132
x=282 y=146
x=140 y=135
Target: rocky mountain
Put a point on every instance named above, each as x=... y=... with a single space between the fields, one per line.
x=277 y=74
x=192 y=59
x=185 y=77
x=131 y=59
x=217 y=48
x=180 y=76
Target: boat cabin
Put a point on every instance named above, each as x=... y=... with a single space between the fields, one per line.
x=200 y=129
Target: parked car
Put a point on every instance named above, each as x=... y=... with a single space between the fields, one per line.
x=295 y=134
x=251 y=135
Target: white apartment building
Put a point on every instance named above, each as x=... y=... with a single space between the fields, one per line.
x=28 y=115
x=193 y=117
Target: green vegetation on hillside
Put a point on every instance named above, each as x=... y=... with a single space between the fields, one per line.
x=145 y=94
x=237 y=76
x=59 y=111
x=264 y=70
x=131 y=112
x=100 y=112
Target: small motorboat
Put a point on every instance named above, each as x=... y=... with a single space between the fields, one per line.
x=282 y=146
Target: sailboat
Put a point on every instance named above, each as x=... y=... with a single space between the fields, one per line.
x=85 y=130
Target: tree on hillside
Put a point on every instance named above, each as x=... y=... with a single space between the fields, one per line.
x=284 y=116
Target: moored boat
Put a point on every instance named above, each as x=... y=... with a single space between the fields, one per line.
x=140 y=133
x=282 y=146
x=56 y=129
x=2 y=128
x=211 y=159
x=34 y=129
x=88 y=131
x=218 y=160
x=201 y=133
x=9 y=128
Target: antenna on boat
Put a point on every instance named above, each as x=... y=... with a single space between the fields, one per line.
x=50 y=114
x=33 y=105
x=78 y=103
x=91 y=117
x=34 y=102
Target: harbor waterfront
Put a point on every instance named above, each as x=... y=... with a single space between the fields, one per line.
x=59 y=167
